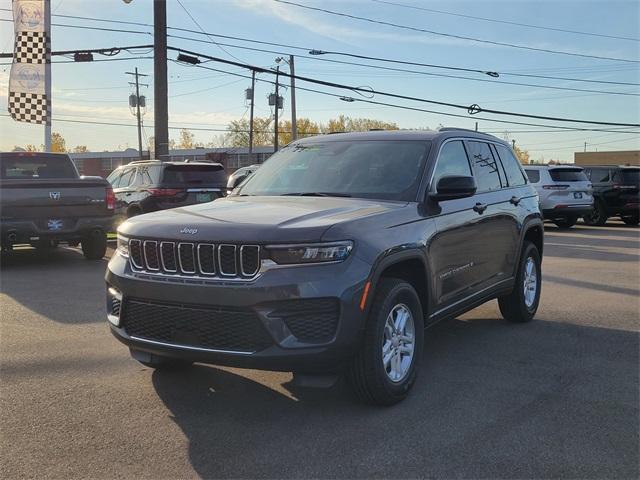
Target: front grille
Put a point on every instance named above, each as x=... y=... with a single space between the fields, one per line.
x=313 y=320
x=195 y=259
x=215 y=328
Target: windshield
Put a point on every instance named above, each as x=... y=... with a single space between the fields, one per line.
x=568 y=175
x=630 y=175
x=37 y=166
x=195 y=175
x=387 y=170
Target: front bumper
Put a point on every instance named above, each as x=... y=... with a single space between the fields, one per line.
x=567 y=211
x=341 y=283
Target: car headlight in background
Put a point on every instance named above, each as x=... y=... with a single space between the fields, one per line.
x=123 y=246
x=309 y=253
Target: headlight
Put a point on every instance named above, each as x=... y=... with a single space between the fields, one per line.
x=123 y=246
x=310 y=253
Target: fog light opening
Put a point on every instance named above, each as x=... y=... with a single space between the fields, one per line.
x=114 y=305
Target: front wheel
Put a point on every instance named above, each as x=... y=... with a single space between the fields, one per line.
x=522 y=303
x=566 y=222
x=94 y=245
x=386 y=366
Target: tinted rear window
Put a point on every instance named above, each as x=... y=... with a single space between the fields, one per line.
x=195 y=175
x=568 y=175
x=534 y=175
x=37 y=166
x=627 y=176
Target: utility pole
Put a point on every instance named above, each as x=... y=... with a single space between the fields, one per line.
x=138 y=101
x=294 y=127
x=275 y=139
x=253 y=96
x=161 y=109
x=513 y=144
x=476 y=126
x=585 y=146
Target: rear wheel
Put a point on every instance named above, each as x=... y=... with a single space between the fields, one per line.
x=631 y=219
x=386 y=366
x=598 y=216
x=133 y=212
x=522 y=303
x=158 y=362
x=94 y=245
x=566 y=222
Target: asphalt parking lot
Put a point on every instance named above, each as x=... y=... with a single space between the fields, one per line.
x=558 y=397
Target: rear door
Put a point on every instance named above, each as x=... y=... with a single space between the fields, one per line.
x=627 y=182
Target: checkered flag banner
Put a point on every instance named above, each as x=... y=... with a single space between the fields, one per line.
x=28 y=101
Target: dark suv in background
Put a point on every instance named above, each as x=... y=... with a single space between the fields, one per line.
x=150 y=185
x=334 y=256
x=616 y=193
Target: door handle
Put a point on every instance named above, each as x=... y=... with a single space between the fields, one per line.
x=480 y=207
x=515 y=200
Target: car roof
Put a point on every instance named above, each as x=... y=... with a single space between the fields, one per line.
x=552 y=167
x=430 y=135
x=158 y=162
x=632 y=167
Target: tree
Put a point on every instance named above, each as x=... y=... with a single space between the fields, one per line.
x=31 y=148
x=58 y=143
x=349 y=124
x=304 y=126
x=186 y=139
x=522 y=155
x=238 y=135
x=80 y=149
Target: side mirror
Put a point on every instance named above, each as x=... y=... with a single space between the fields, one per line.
x=238 y=180
x=451 y=187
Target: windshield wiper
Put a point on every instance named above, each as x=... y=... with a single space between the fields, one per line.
x=315 y=194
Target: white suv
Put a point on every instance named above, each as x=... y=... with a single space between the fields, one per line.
x=565 y=192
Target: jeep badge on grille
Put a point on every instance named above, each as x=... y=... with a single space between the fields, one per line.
x=190 y=231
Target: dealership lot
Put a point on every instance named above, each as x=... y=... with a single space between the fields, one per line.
x=557 y=397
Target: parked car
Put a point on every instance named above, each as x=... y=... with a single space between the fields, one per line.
x=616 y=191
x=150 y=185
x=239 y=176
x=44 y=201
x=334 y=256
x=565 y=192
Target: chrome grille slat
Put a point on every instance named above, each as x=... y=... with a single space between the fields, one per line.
x=227 y=261
x=206 y=258
x=150 y=249
x=186 y=257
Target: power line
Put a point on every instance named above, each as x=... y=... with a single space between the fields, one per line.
x=318 y=52
x=450 y=35
x=471 y=109
x=556 y=128
x=418 y=72
x=494 y=20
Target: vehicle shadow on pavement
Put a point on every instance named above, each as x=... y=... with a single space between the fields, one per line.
x=493 y=400
x=68 y=284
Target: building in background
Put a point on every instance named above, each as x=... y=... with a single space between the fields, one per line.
x=621 y=157
x=103 y=163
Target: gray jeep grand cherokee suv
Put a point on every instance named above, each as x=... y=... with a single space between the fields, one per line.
x=333 y=257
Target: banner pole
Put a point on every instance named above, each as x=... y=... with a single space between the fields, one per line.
x=47 y=75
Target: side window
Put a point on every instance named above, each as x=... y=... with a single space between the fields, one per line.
x=485 y=168
x=587 y=172
x=114 y=178
x=511 y=166
x=127 y=178
x=451 y=161
x=534 y=175
x=144 y=176
x=600 y=175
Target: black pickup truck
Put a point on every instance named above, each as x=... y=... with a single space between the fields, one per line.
x=43 y=201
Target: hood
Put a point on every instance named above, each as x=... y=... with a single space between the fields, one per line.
x=266 y=219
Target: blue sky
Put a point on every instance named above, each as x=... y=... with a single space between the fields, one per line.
x=204 y=99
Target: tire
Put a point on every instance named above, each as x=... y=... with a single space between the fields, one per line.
x=598 y=216
x=94 y=245
x=515 y=307
x=631 y=219
x=158 y=362
x=370 y=378
x=133 y=212
x=566 y=222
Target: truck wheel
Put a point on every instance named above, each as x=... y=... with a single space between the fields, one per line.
x=522 y=303
x=387 y=364
x=631 y=219
x=158 y=362
x=566 y=222
x=598 y=216
x=94 y=245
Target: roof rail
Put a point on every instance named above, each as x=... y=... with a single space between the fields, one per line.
x=141 y=161
x=452 y=129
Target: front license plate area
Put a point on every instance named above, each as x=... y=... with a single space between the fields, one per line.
x=54 y=224
x=577 y=195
